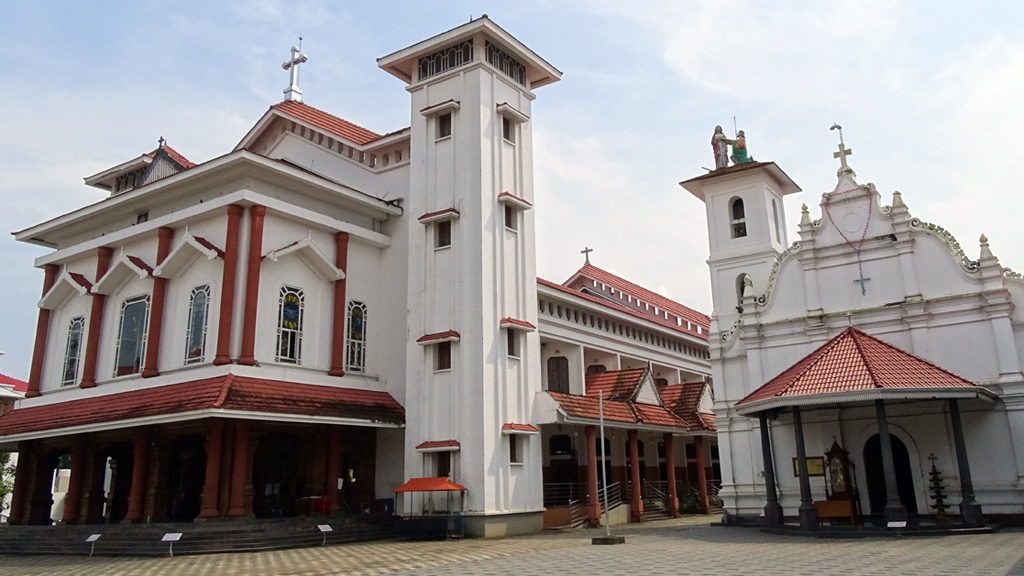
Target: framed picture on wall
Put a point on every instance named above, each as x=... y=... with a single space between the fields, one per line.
x=815 y=466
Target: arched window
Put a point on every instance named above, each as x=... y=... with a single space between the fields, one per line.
x=355 y=357
x=558 y=374
x=195 y=333
x=131 y=336
x=739 y=219
x=74 y=351
x=289 y=325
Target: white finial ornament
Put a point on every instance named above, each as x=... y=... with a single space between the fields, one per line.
x=293 y=92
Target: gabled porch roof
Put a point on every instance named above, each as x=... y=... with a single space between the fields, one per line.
x=856 y=367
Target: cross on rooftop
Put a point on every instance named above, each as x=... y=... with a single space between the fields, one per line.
x=843 y=151
x=586 y=253
x=162 y=141
x=297 y=57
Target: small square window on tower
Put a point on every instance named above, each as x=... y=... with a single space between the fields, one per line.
x=443 y=233
x=508 y=129
x=511 y=217
x=443 y=461
x=512 y=337
x=443 y=356
x=444 y=125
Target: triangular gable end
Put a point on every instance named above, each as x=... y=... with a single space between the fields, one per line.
x=191 y=247
x=123 y=268
x=646 y=392
x=307 y=251
x=706 y=403
x=161 y=167
x=67 y=283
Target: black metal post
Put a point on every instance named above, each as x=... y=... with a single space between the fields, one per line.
x=894 y=510
x=772 y=510
x=970 y=510
x=808 y=513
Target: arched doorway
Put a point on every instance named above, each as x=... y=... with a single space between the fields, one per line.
x=875 y=475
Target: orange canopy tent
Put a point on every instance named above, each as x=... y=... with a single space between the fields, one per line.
x=430 y=485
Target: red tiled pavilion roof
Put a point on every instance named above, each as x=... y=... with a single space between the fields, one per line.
x=327 y=122
x=232 y=393
x=855 y=362
x=616 y=384
x=683 y=400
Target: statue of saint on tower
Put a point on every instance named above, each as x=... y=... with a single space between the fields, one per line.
x=720 y=144
x=739 y=149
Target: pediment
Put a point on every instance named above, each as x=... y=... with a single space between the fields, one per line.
x=312 y=256
x=646 y=391
x=122 y=269
x=184 y=253
x=66 y=285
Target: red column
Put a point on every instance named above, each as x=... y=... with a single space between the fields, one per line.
x=21 y=479
x=42 y=328
x=702 y=481
x=670 y=470
x=139 y=468
x=333 y=468
x=239 y=468
x=92 y=343
x=636 y=502
x=338 y=344
x=73 y=499
x=156 y=314
x=211 y=487
x=252 y=285
x=227 y=288
x=593 y=498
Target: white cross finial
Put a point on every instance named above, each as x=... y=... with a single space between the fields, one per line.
x=586 y=254
x=293 y=92
x=842 y=153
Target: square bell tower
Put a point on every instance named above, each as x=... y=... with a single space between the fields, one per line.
x=473 y=348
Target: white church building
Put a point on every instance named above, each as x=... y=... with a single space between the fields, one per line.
x=848 y=363
x=311 y=320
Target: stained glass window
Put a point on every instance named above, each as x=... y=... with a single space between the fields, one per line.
x=355 y=358
x=289 y=325
x=74 y=350
x=131 y=336
x=195 y=335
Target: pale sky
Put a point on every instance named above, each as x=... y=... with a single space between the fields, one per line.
x=929 y=95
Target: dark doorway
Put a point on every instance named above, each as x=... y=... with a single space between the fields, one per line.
x=876 y=477
x=277 y=477
x=186 y=474
x=118 y=481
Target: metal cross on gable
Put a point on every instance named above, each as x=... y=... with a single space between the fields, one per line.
x=586 y=253
x=843 y=150
x=297 y=57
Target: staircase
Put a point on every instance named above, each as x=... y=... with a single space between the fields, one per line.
x=655 y=501
x=240 y=535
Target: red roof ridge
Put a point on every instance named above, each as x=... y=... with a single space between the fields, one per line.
x=645 y=293
x=438 y=336
x=224 y=391
x=860 y=352
x=327 y=121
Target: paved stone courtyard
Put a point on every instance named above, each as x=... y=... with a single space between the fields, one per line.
x=671 y=547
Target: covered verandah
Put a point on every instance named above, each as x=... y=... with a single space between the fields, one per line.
x=855 y=372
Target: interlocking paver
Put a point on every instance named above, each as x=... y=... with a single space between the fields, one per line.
x=676 y=547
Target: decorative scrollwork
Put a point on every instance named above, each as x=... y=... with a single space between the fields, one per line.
x=954 y=247
x=816 y=224
x=1010 y=274
x=727 y=335
x=763 y=298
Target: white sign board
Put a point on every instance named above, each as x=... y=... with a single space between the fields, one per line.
x=325 y=527
x=901 y=524
x=171 y=537
x=93 y=538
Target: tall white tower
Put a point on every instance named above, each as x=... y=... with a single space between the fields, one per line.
x=473 y=349
x=746 y=229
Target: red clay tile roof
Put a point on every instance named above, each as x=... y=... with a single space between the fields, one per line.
x=209 y=245
x=703 y=335
x=587 y=407
x=644 y=294
x=327 y=122
x=438 y=336
x=520 y=323
x=618 y=385
x=82 y=280
x=658 y=415
x=514 y=197
x=683 y=400
x=223 y=392
x=438 y=444
x=429 y=485
x=19 y=386
x=184 y=162
x=429 y=215
x=520 y=427
x=854 y=360
x=138 y=262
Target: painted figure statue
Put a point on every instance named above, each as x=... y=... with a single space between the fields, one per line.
x=720 y=144
x=739 y=149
